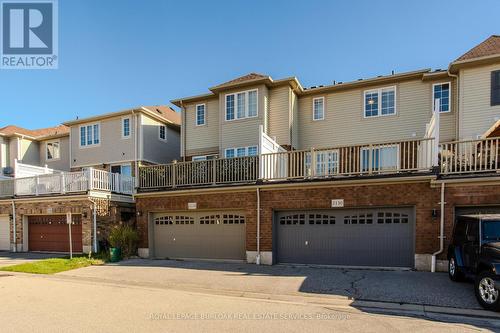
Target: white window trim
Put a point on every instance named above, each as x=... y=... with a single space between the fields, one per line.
x=47 y=148
x=204 y=114
x=159 y=131
x=129 y=128
x=236 y=149
x=323 y=115
x=379 y=92
x=246 y=105
x=449 y=97
x=398 y=157
x=86 y=144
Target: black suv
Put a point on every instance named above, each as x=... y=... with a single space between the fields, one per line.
x=474 y=253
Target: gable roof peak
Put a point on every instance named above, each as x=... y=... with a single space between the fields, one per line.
x=489 y=47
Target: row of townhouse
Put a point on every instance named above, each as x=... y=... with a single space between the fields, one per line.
x=364 y=173
x=86 y=167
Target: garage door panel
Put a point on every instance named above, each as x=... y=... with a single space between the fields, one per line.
x=209 y=235
x=359 y=237
x=4 y=233
x=50 y=233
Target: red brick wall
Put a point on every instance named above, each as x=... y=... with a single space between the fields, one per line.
x=109 y=214
x=419 y=195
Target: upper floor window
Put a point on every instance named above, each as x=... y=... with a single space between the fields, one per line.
x=53 y=150
x=200 y=114
x=241 y=152
x=495 y=88
x=126 y=127
x=162 y=132
x=241 y=105
x=442 y=91
x=90 y=135
x=319 y=108
x=380 y=102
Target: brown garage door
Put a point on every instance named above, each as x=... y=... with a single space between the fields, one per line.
x=51 y=233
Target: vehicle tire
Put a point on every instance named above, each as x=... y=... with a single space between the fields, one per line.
x=486 y=293
x=453 y=271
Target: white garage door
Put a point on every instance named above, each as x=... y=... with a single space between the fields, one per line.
x=4 y=233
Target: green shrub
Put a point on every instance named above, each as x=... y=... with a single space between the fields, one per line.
x=125 y=238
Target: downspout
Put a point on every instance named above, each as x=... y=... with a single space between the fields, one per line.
x=257 y=258
x=136 y=167
x=94 y=215
x=14 y=225
x=441 y=231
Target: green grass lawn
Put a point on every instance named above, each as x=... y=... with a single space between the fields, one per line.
x=52 y=266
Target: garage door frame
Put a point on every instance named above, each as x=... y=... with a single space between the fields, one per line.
x=412 y=217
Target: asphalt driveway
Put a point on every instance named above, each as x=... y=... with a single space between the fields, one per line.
x=375 y=285
x=10 y=258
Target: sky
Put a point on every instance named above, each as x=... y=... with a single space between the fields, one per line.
x=119 y=54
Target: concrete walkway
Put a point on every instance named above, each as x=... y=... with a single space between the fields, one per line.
x=409 y=287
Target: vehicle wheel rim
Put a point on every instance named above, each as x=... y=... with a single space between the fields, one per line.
x=452 y=267
x=487 y=290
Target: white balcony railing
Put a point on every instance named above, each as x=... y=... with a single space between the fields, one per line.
x=470 y=156
x=67 y=182
x=370 y=159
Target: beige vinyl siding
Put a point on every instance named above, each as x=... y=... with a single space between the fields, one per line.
x=63 y=163
x=279 y=114
x=344 y=122
x=156 y=150
x=13 y=150
x=294 y=100
x=448 y=120
x=112 y=148
x=4 y=153
x=476 y=113
x=202 y=139
x=242 y=132
x=29 y=153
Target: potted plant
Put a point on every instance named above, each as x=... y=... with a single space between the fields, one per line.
x=116 y=243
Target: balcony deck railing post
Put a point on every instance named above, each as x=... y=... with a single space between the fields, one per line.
x=214 y=171
x=313 y=163
x=63 y=184
x=174 y=174
x=37 y=182
x=90 y=176
x=370 y=159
